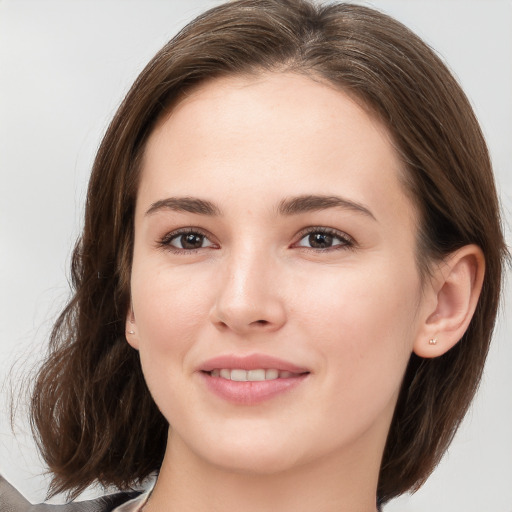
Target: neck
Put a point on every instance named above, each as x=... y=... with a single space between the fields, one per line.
x=188 y=482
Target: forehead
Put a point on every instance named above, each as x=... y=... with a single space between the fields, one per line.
x=272 y=133
x=257 y=96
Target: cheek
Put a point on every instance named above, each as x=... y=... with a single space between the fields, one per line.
x=166 y=302
x=361 y=305
x=169 y=313
x=362 y=324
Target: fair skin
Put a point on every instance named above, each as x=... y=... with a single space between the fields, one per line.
x=269 y=265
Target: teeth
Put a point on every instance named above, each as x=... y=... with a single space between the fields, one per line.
x=256 y=375
x=271 y=374
x=240 y=375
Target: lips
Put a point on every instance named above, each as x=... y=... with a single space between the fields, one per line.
x=250 y=362
x=241 y=375
x=249 y=380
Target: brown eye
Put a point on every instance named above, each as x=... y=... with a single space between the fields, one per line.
x=324 y=238
x=320 y=240
x=189 y=241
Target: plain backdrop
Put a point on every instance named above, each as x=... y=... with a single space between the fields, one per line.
x=64 y=68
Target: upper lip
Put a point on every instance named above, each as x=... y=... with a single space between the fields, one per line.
x=250 y=362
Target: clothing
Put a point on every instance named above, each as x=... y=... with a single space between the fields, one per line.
x=134 y=505
x=13 y=501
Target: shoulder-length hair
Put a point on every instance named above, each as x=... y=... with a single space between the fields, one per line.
x=91 y=411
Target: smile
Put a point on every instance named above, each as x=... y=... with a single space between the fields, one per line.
x=260 y=374
x=251 y=379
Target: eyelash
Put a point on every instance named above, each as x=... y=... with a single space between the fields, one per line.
x=347 y=242
x=165 y=242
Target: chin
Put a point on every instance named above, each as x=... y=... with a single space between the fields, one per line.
x=265 y=463
x=250 y=456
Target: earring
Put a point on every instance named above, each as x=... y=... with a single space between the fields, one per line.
x=432 y=341
x=131 y=332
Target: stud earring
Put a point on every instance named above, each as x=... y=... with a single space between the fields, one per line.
x=131 y=332
x=432 y=341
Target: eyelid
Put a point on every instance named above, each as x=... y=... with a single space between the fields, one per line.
x=165 y=241
x=348 y=241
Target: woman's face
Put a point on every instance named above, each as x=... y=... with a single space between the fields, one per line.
x=274 y=242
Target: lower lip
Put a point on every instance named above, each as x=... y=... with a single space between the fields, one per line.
x=250 y=392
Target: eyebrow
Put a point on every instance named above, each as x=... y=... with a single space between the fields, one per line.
x=308 y=203
x=287 y=207
x=185 y=204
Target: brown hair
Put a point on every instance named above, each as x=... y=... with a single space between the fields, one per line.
x=91 y=410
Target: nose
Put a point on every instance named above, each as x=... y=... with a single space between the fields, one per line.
x=249 y=298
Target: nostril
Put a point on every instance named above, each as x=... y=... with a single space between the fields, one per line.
x=261 y=322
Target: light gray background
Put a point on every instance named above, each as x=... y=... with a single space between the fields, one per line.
x=64 y=68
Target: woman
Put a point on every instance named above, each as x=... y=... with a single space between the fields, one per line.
x=285 y=221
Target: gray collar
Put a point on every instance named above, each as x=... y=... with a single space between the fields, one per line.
x=13 y=501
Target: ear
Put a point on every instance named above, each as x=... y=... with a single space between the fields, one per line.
x=454 y=288
x=131 y=329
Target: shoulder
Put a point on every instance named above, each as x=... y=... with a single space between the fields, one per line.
x=13 y=501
